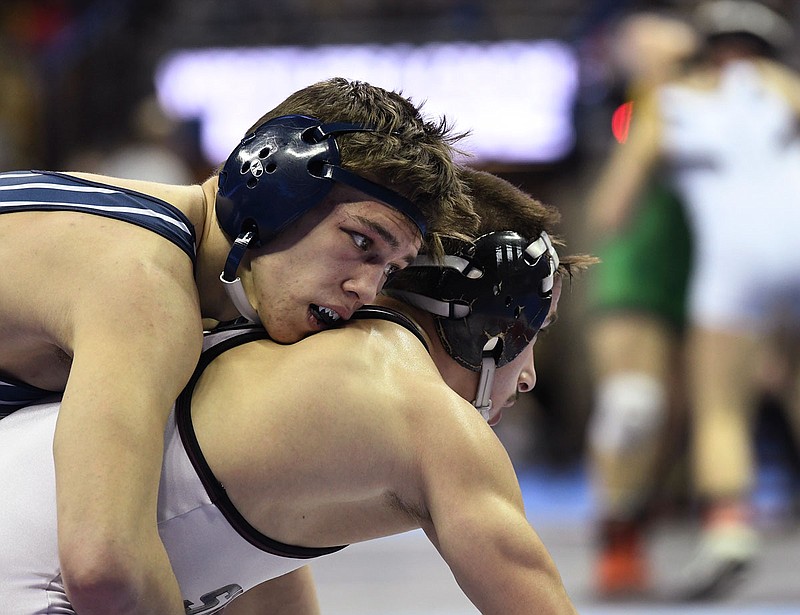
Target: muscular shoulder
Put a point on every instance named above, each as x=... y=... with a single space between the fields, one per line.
x=189 y=199
x=370 y=348
x=389 y=361
x=364 y=370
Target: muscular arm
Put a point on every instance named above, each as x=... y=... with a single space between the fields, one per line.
x=292 y=594
x=480 y=529
x=132 y=355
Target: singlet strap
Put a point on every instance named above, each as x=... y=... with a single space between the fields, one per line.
x=378 y=312
x=15 y=394
x=54 y=191
x=228 y=339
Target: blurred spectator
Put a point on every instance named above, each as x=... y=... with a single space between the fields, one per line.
x=148 y=152
x=638 y=305
x=20 y=108
x=726 y=133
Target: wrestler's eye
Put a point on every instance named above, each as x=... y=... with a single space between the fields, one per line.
x=362 y=242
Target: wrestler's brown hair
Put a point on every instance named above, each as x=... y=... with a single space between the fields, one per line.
x=408 y=153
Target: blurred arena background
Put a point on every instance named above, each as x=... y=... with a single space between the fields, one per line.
x=162 y=89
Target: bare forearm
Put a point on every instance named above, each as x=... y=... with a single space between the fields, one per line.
x=504 y=568
x=527 y=590
x=112 y=558
x=153 y=591
x=107 y=452
x=542 y=592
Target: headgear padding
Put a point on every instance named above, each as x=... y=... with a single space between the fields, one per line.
x=498 y=286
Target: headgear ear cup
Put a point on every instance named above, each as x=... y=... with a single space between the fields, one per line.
x=266 y=183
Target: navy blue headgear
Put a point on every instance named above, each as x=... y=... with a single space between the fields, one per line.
x=497 y=287
x=283 y=169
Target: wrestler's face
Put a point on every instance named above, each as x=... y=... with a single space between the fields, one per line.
x=329 y=263
x=519 y=376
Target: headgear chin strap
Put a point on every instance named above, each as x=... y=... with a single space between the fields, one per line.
x=489 y=298
x=483 y=398
x=286 y=167
x=233 y=283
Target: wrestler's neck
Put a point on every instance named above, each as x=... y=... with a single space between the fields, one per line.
x=460 y=379
x=212 y=251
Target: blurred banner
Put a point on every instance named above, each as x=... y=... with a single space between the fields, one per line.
x=516 y=98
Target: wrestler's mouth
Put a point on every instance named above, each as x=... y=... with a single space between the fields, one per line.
x=325 y=315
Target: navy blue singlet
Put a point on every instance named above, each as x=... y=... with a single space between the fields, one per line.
x=49 y=191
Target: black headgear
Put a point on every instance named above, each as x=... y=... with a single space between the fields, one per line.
x=276 y=174
x=498 y=287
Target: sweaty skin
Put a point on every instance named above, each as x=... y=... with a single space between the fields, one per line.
x=395 y=448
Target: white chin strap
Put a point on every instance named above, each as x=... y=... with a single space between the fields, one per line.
x=483 y=400
x=233 y=283
x=236 y=294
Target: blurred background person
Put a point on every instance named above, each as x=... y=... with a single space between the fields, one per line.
x=637 y=319
x=726 y=133
x=20 y=108
x=152 y=149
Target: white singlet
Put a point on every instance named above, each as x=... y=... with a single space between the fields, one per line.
x=735 y=159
